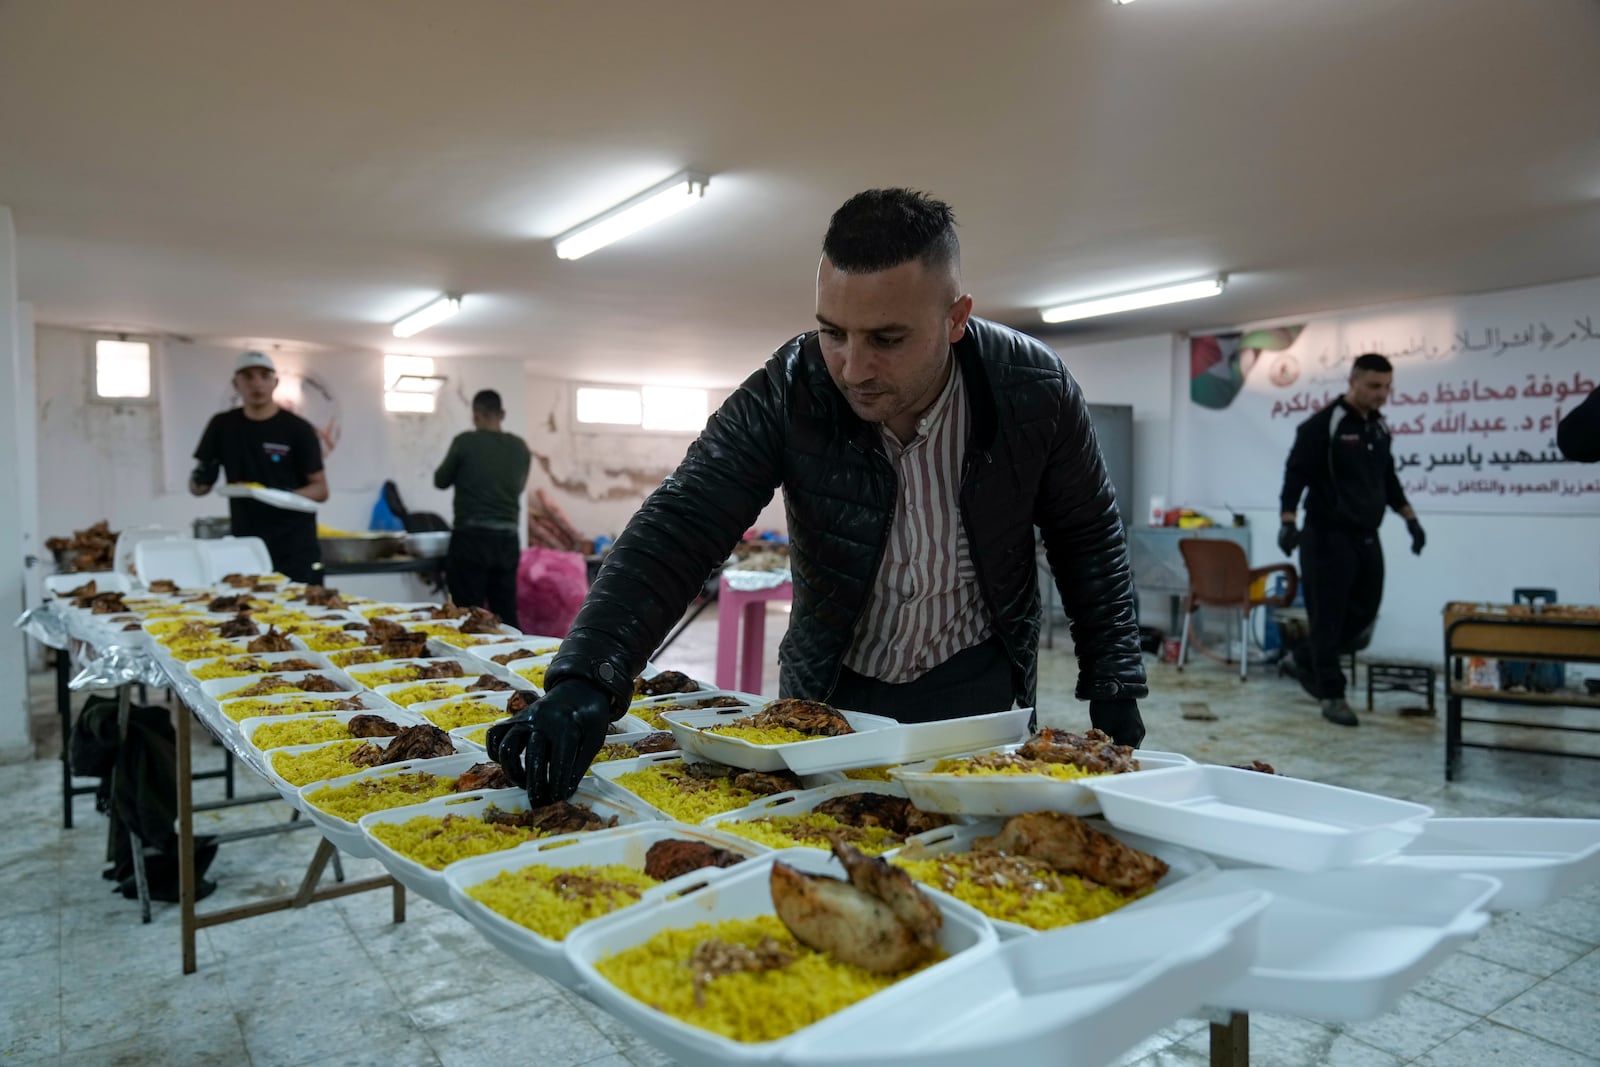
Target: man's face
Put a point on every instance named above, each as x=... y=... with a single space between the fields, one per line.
x=1369 y=389
x=255 y=385
x=886 y=336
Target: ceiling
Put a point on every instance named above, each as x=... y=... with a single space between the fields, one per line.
x=312 y=170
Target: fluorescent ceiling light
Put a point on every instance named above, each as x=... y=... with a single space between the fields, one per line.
x=1144 y=298
x=429 y=315
x=651 y=206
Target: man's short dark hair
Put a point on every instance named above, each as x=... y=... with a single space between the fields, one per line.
x=1372 y=361
x=487 y=401
x=883 y=228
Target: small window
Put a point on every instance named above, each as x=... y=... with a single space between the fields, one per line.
x=609 y=407
x=409 y=384
x=646 y=409
x=678 y=410
x=121 y=370
x=416 y=403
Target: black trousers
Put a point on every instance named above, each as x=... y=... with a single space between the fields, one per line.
x=481 y=570
x=975 y=681
x=294 y=551
x=1341 y=571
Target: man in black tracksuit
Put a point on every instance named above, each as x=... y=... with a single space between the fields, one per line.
x=1342 y=461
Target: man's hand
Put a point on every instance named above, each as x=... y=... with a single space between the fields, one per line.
x=1119 y=718
x=1418 y=538
x=549 y=745
x=1288 y=538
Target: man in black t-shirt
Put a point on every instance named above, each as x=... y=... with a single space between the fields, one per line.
x=1342 y=462
x=261 y=442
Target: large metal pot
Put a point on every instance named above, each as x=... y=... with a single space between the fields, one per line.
x=209 y=529
x=364 y=548
x=430 y=544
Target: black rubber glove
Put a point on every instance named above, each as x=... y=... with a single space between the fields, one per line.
x=206 y=473
x=1288 y=538
x=549 y=744
x=1119 y=718
x=1418 y=538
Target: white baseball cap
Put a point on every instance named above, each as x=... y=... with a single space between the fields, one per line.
x=254 y=359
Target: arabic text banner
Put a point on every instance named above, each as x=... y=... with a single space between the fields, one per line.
x=1480 y=383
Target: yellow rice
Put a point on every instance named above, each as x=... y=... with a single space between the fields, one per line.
x=435 y=841
x=235 y=667
x=459 y=713
x=810 y=830
x=376 y=676
x=299 y=732
x=1047 y=900
x=416 y=694
x=541 y=898
x=614 y=751
x=350 y=802
x=709 y=796
x=352 y=656
x=761 y=735
x=534 y=674
x=330 y=640
x=461 y=640
x=478 y=737
x=280 y=617
x=965 y=767
x=745 y=1006
x=653 y=716
x=372 y=611
x=332 y=760
x=204 y=648
x=247 y=707
x=272 y=689
x=869 y=774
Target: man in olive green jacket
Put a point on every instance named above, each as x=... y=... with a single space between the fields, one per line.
x=488 y=468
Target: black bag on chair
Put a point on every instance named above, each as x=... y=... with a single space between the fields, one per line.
x=413 y=521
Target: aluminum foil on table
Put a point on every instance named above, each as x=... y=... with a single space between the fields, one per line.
x=117 y=665
x=743 y=581
x=45 y=625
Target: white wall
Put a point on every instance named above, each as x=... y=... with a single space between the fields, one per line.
x=14 y=740
x=1133 y=372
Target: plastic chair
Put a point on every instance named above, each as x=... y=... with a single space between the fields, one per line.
x=1221 y=576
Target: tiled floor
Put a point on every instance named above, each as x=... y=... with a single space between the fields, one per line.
x=83 y=982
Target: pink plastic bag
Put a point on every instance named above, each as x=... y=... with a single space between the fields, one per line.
x=551 y=586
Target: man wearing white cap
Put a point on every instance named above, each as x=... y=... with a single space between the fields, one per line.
x=260 y=442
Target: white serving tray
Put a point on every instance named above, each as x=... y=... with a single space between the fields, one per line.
x=623 y=845
x=278 y=498
x=323 y=663
x=1009 y=794
x=1265 y=819
x=1079 y=996
x=347 y=835
x=217 y=689
x=916 y=741
x=1182 y=863
x=431 y=883
x=744 y=893
x=1345 y=945
x=869 y=746
x=1536 y=861
x=248 y=727
x=801 y=801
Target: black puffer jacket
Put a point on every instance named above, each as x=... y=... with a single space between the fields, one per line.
x=1032 y=460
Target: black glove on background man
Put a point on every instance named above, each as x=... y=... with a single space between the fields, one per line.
x=549 y=745
x=1288 y=538
x=1418 y=538
x=1118 y=718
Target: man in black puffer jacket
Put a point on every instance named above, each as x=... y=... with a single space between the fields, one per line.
x=917 y=448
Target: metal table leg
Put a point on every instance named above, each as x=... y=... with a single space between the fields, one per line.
x=1230 y=1041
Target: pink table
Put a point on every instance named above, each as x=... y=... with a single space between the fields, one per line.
x=746 y=650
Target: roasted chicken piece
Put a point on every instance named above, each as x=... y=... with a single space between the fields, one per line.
x=442 y=669
x=271 y=641
x=879 y=920
x=1094 y=751
x=521 y=653
x=480 y=621
x=807 y=716
x=382 y=629
x=404 y=645
x=664 y=683
x=86 y=590
x=107 y=604
x=489 y=683
x=895 y=814
x=672 y=857
x=296 y=664
x=239 y=581
x=424 y=741
x=659 y=741
x=322 y=596
x=1072 y=846
x=371 y=726
x=239 y=626
x=447 y=610
x=264 y=587
x=766 y=783
x=558 y=818
x=520 y=700
x=240 y=602
x=1256 y=765
x=316 y=683
x=164 y=585
x=483 y=776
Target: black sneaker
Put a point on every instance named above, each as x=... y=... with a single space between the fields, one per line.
x=1338 y=712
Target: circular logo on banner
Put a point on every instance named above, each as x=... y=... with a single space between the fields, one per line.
x=309 y=398
x=1285 y=371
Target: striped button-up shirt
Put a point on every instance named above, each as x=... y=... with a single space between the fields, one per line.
x=925 y=605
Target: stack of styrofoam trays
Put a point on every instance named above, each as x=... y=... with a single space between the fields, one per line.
x=1265 y=819
x=1536 y=861
x=1009 y=794
x=347 y=835
x=1083 y=994
x=800 y=802
x=743 y=892
x=1182 y=863
x=430 y=882
x=625 y=845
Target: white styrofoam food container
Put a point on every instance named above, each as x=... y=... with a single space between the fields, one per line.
x=58 y=585
x=748 y=702
x=347 y=835
x=869 y=745
x=249 y=727
x=431 y=883
x=218 y=688
x=1009 y=794
x=537 y=646
x=235 y=555
x=178 y=560
x=496 y=700
x=369 y=701
x=608 y=773
x=801 y=801
x=289 y=790
x=1344 y=945
x=470 y=669
x=1536 y=861
x=744 y=892
x=1182 y=863
x=1266 y=819
x=1079 y=996
x=278 y=498
x=195 y=666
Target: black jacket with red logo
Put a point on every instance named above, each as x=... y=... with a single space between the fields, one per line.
x=1344 y=460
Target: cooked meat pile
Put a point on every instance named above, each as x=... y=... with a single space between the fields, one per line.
x=481 y=621
x=92 y=549
x=447 y=610
x=713 y=958
x=1094 y=752
x=521 y=653
x=664 y=683
x=405 y=645
x=271 y=641
x=87 y=589
x=659 y=741
x=895 y=814
x=489 y=683
x=1256 y=765
x=1071 y=846
x=311 y=683
x=239 y=602
x=878 y=920
x=296 y=664
x=371 y=726
x=105 y=604
x=558 y=818
x=764 y=783
x=164 y=585
x=520 y=700
x=412 y=742
x=483 y=776
x=672 y=857
x=240 y=581
x=239 y=626
x=807 y=716
x=264 y=587
x=322 y=597
x=442 y=669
